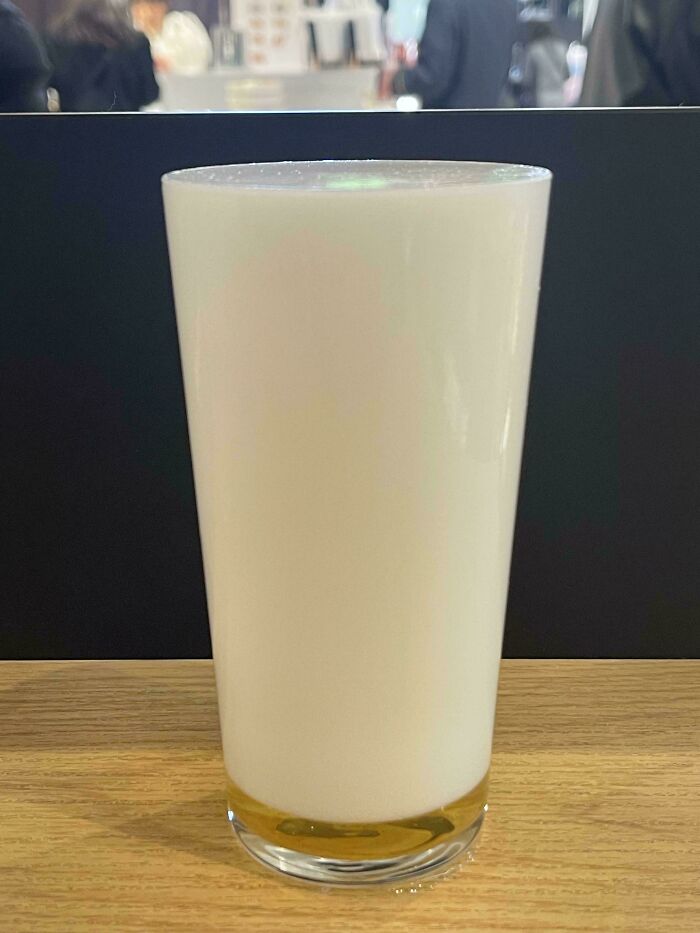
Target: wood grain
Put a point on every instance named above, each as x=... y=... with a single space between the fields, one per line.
x=112 y=812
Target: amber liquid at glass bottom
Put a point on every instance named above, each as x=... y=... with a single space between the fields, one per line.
x=357 y=840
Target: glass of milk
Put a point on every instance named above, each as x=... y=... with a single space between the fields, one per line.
x=356 y=341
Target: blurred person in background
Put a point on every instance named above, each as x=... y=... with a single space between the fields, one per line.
x=546 y=71
x=643 y=53
x=590 y=9
x=24 y=68
x=100 y=61
x=179 y=41
x=463 y=58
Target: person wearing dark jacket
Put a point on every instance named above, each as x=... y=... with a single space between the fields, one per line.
x=100 y=61
x=24 y=69
x=464 y=55
x=643 y=53
x=546 y=69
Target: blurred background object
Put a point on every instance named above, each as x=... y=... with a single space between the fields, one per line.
x=643 y=53
x=463 y=56
x=546 y=69
x=389 y=54
x=576 y=58
x=222 y=46
x=99 y=60
x=24 y=68
x=179 y=41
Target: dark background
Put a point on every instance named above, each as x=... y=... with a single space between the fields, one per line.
x=100 y=552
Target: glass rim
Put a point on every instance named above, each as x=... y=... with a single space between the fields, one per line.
x=365 y=176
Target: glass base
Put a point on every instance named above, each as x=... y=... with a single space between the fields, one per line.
x=346 y=854
x=351 y=872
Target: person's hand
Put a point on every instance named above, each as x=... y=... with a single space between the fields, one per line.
x=161 y=64
x=385 y=84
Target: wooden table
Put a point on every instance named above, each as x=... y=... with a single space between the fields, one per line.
x=112 y=815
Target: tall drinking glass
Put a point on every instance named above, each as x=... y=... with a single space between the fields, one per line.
x=356 y=341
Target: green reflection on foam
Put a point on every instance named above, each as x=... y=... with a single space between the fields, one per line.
x=356 y=182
